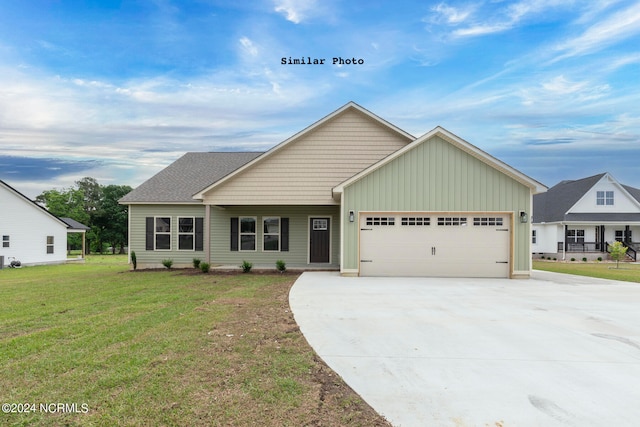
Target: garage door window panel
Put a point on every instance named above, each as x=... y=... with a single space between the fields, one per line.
x=412 y=220
x=452 y=221
x=488 y=221
x=381 y=220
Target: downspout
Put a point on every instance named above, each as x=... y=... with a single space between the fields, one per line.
x=207 y=233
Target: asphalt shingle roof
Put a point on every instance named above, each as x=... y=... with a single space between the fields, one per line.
x=179 y=181
x=552 y=205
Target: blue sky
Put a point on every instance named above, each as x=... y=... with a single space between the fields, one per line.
x=116 y=90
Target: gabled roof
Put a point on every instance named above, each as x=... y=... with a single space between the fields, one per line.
x=19 y=194
x=553 y=205
x=309 y=129
x=179 y=181
x=458 y=142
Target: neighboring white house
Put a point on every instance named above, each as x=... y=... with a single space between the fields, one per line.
x=28 y=232
x=580 y=218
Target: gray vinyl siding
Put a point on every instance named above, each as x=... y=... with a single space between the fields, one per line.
x=137 y=233
x=437 y=176
x=297 y=256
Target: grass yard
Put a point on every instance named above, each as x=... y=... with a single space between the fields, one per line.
x=161 y=348
x=604 y=270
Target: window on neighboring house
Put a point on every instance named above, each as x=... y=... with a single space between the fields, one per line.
x=271 y=234
x=575 y=236
x=5 y=242
x=534 y=237
x=163 y=233
x=247 y=233
x=186 y=233
x=50 y=245
x=604 y=198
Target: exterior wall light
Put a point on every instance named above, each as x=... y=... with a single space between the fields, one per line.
x=524 y=217
x=352 y=216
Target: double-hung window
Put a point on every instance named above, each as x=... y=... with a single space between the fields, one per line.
x=604 y=198
x=247 y=233
x=271 y=234
x=163 y=233
x=186 y=233
x=50 y=245
x=575 y=236
x=6 y=242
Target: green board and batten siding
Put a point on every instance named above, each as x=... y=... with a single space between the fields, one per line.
x=220 y=234
x=437 y=176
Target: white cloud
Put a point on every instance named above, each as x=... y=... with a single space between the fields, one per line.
x=612 y=29
x=452 y=15
x=248 y=46
x=295 y=11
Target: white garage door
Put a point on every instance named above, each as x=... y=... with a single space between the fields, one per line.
x=432 y=244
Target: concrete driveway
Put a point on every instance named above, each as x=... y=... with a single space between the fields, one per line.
x=554 y=350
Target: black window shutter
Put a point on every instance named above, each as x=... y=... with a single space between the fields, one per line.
x=234 y=234
x=284 y=234
x=149 y=233
x=199 y=234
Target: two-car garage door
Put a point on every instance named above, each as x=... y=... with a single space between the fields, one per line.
x=435 y=244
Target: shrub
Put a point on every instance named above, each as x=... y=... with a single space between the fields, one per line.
x=584 y=259
x=246 y=266
x=204 y=266
x=599 y=258
x=281 y=266
x=555 y=259
x=196 y=263
x=134 y=260
x=573 y=259
x=167 y=263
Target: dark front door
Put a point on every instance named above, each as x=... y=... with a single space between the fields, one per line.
x=319 y=241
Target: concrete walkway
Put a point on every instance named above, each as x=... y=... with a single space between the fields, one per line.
x=554 y=350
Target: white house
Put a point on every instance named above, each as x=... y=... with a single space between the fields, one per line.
x=580 y=218
x=29 y=232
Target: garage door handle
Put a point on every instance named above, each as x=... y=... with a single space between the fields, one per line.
x=366 y=229
x=366 y=260
x=502 y=262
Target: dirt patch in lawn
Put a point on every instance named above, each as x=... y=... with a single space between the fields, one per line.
x=263 y=371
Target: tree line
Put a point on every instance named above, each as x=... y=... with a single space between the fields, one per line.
x=95 y=206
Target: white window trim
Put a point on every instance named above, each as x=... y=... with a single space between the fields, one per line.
x=6 y=241
x=156 y=233
x=193 y=233
x=240 y=234
x=51 y=245
x=279 y=233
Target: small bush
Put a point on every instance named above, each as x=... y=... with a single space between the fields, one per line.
x=134 y=260
x=204 y=266
x=573 y=259
x=246 y=266
x=555 y=259
x=281 y=266
x=167 y=263
x=196 y=263
x=599 y=258
x=584 y=259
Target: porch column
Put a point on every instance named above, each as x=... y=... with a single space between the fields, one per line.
x=207 y=233
x=627 y=234
x=84 y=238
x=564 y=245
x=602 y=242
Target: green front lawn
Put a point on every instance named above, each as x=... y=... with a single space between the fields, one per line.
x=604 y=270
x=161 y=348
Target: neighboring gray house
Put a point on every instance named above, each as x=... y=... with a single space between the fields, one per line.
x=579 y=218
x=350 y=192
